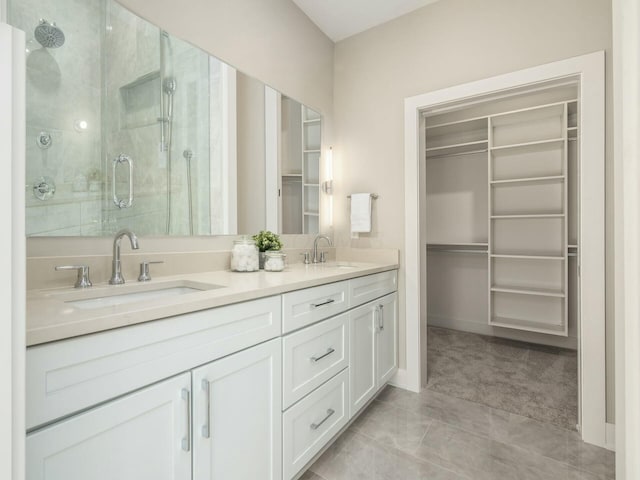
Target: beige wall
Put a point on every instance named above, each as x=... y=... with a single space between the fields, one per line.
x=444 y=44
x=272 y=40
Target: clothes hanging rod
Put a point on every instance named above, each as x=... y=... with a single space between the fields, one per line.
x=373 y=195
x=454 y=250
x=477 y=251
x=456 y=154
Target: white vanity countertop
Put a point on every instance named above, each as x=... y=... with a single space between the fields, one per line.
x=51 y=317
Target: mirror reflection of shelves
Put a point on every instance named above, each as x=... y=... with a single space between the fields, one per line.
x=502 y=202
x=300 y=168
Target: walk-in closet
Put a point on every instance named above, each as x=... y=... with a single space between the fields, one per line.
x=502 y=212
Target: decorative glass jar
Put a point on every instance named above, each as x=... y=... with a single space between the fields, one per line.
x=244 y=256
x=274 y=261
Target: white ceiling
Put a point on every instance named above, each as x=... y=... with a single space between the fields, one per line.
x=340 y=19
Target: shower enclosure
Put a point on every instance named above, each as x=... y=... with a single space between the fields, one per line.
x=120 y=118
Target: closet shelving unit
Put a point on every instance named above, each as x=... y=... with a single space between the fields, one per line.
x=525 y=152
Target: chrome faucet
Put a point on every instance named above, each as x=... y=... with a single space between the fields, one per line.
x=315 y=246
x=116 y=274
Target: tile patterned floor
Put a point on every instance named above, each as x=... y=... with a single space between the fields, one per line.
x=534 y=381
x=432 y=436
x=444 y=436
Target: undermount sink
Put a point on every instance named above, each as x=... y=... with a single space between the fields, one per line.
x=111 y=296
x=341 y=265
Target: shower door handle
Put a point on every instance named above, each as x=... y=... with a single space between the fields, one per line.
x=122 y=158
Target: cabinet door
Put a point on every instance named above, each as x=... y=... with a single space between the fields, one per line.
x=144 y=435
x=238 y=416
x=387 y=338
x=362 y=354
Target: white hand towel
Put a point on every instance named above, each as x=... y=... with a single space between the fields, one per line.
x=360 y=212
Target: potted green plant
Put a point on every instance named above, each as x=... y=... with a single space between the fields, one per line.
x=266 y=241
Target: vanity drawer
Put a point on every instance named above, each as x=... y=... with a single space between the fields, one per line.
x=312 y=356
x=71 y=375
x=370 y=287
x=313 y=421
x=304 y=307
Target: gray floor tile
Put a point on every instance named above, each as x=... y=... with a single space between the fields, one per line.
x=529 y=380
x=365 y=459
x=309 y=475
x=393 y=426
x=493 y=410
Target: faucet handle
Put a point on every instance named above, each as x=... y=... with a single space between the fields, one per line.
x=144 y=270
x=323 y=257
x=307 y=257
x=83 y=280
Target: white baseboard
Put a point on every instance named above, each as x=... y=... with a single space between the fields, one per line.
x=400 y=379
x=610 y=434
x=486 y=329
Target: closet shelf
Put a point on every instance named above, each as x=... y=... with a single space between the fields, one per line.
x=527 y=325
x=292 y=174
x=312 y=121
x=455 y=146
x=314 y=185
x=313 y=150
x=528 y=113
x=550 y=179
x=456 y=126
x=529 y=257
x=312 y=214
x=542 y=292
x=537 y=215
x=516 y=146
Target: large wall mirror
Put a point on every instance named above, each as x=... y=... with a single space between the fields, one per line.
x=128 y=126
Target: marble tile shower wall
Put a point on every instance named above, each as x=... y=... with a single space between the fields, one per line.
x=132 y=83
x=138 y=60
x=109 y=73
x=63 y=87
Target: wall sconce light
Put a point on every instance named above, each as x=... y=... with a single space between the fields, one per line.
x=327 y=185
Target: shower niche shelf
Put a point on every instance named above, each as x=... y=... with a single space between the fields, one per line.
x=139 y=101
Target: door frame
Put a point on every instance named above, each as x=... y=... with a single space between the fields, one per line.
x=12 y=250
x=626 y=99
x=590 y=70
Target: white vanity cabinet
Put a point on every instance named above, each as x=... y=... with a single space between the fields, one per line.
x=373 y=350
x=214 y=394
x=143 y=435
x=237 y=429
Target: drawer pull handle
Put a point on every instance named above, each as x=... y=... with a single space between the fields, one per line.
x=329 y=351
x=326 y=302
x=381 y=317
x=186 y=442
x=206 y=428
x=315 y=426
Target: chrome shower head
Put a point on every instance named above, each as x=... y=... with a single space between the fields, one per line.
x=49 y=35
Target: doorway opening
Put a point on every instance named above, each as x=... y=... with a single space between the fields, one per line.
x=520 y=254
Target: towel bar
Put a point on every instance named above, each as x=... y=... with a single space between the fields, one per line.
x=373 y=195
